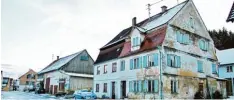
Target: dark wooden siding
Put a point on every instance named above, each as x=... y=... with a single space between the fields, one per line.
x=77 y=65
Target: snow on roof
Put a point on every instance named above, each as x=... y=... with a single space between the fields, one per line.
x=59 y=63
x=79 y=75
x=225 y=56
x=158 y=20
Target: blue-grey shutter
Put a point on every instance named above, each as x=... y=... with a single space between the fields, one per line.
x=178 y=36
x=137 y=39
x=200 y=68
x=139 y=85
x=135 y=86
x=131 y=64
x=130 y=86
x=146 y=86
x=177 y=86
x=186 y=38
x=134 y=41
x=156 y=86
x=213 y=68
x=155 y=59
x=144 y=61
x=178 y=61
x=168 y=60
x=140 y=62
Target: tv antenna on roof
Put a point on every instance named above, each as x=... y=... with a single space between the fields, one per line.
x=149 y=5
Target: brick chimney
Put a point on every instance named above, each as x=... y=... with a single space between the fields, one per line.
x=134 y=21
x=164 y=8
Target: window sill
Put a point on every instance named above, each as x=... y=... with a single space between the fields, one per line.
x=214 y=73
x=173 y=66
x=200 y=71
x=136 y=46
x=183 y=43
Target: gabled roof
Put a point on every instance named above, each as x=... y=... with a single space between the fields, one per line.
x=117 y=47
x=231 y=14
x=148 y=24
x=27 y=72
x=110 y=53
x=55 y=65
x=225 y=56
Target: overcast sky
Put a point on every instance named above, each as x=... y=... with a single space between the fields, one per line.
x=33 y=30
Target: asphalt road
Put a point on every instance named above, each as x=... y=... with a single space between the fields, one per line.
x=17 y=95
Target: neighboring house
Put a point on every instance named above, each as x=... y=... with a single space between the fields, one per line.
x=72 y=72
x=7 y=83
x=174 y=42
x=231 y=14
x=29 y=78
x=226 y=68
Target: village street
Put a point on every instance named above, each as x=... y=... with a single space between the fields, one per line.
x=13 y=95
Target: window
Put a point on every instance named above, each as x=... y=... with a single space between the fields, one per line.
x=27 y=82
x=150 y=86
x=200 y=66
x=114 y=67
x=122 y=66
x=182 y=37
x=203 y=45
x=150 y=60
x=28 y=76
x=214 y=71
x=229 y=68
x=98 y=70
x=97 y=87
x=174 y=86
x=105 y=87
x=173 y=60
x=135 y=41
x=84 y=58
x=130 y=86
x=191 y=22
x=105 y=69
x=135 y=63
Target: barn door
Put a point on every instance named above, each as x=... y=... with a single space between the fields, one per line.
x=47 y=85
x=55 y=89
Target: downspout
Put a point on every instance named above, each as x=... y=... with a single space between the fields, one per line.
x=160 y=67
x=232 y=86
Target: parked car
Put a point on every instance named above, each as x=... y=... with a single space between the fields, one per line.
x=84 y=94
x=31 y=88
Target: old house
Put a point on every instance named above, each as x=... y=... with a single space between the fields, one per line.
x=172 y=47
x=72 y=72
x=226 y=68
x=29 y=78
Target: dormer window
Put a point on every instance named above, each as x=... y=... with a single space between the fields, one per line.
x=135 y=41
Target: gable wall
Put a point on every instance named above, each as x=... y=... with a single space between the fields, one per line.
x=23 y=78
x=79 y=66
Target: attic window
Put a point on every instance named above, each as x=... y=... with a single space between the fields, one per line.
x=191 y=22
x=84 y=58
x=117 y=49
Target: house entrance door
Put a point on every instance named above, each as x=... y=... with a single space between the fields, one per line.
x=123 y=89
x=113 y=90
